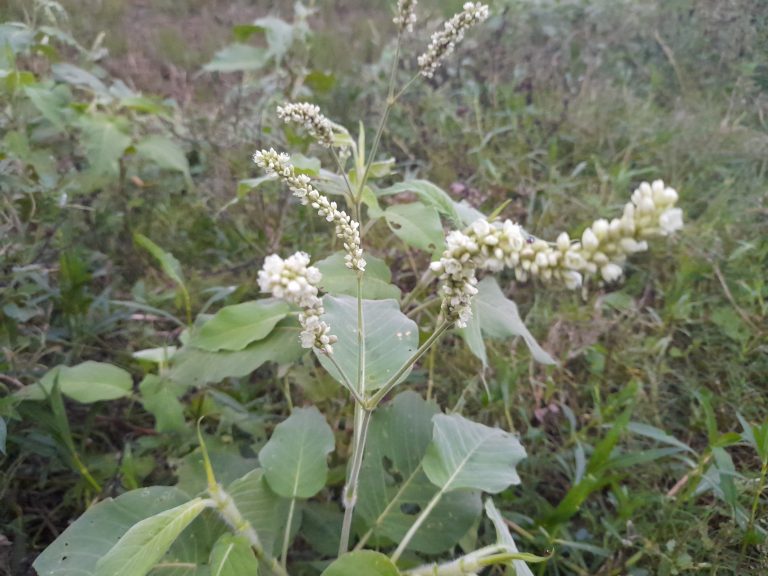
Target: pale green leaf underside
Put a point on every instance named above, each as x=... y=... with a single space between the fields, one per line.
x=77 y=549
x=417 y=225
x=238 y=58
x=391 y=338
x=146 y=542
x=504 y=537
x=265 y=510
x=295 y=458
x=466 y=454
x=234 y=327
x=393 y=486
x=338 y=279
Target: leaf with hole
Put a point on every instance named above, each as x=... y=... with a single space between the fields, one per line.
x=390 y=340
x=417 y=225
x=394 y=487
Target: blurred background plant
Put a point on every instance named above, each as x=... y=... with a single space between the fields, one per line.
x=128 y=203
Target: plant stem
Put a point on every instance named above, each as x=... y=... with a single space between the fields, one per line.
x=287 y=535
x=350 y=489
x=416 y=525
x=392 y=382
x=347 y=384
x=756 y=501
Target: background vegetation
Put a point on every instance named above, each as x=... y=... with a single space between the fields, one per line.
x=138 y=117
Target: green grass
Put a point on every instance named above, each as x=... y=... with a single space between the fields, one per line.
x=560 y=108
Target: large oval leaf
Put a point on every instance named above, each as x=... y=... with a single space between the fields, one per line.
x=465 y=454
x=294 y=459
x=77 y=549
x=87 y=383
x=394 y=488
x=234 y=327
x=391 y=338
x=338 y=279
x=362 y=563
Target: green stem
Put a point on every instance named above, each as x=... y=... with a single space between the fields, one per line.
x=347 y=384
x=756 y=501
x=350 y=489
x=287 y=535
x=392 y=382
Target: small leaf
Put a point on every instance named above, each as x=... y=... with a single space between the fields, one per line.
x=391 y=338
x=504 y=537
x=167 y=261
x=146 y=542
x=279 y=35
x=104 y=143
x=87 y=383
x=233 y=556
x=165 y=153
x=338 y=279
x=49 y=104
x=499 y=318
x=235 y=327
x=417 y=225
x=465 y=454
x=429 y=193
x=362 y=563
x=238 y=58
x=160 y=400
x=295 y=458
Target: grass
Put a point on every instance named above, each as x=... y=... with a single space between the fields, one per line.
x=559 y=108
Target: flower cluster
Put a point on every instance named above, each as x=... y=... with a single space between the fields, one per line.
x=347 y=229
x=406 y=15
x=603 y=248
x=310 y=118
x=444 y=41
x=295 y=281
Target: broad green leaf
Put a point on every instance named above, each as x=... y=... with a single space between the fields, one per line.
x=238 y=58
x=338 y=279
x=430 y=194
x=194 y=367
x=417 y=225
x=87 y=383
x=279 y=35
x=265 y=510
x=498 y=318
x=77 y=549
x=466 y=454
x=321 y=527
x=473 y=336
x=104 y=143
x=233 y=556
x=76 y=76
x=504 y=537
x=295 y=458
x=362 y=563
x=161 y=400
x=139 y=549
x=168 y=262
x=391 y=338
x=49 y=103
x=234 y=327
x=394 y=488
x=165 y=153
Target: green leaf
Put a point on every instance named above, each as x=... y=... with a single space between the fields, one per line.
x=161 y=400
x=498 y=318
x=473 y=336
x=49 y=103
x=77 y=549
x=417 y=225
x=234 y=327
x=394 y=488
x=265 y=510
x=104 y=143
x=3 y=435
x=279 y=35
x=504 y=537
x=362 y=563
x=430 y=194
x=76 y=76
x=165 y=153
x=238 y=58
x=170 y=265
x=87 y=383
x=338 y=279
x=659 y=435
x=233 y=556
x=194 y=367
x=145 y=543
x=465 y=454
x=295 y=458
x=391 y=338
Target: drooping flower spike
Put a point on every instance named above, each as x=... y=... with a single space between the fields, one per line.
x=406 y=15
x=309 y=117
x=603 y=249
x=347 y=229
x=295 y=281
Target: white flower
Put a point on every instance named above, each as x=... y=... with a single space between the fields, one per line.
x=295 y=281
x=671 y=220
x=309 y=117
x=444 y=41
x=301 y=186
x=406 y=15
